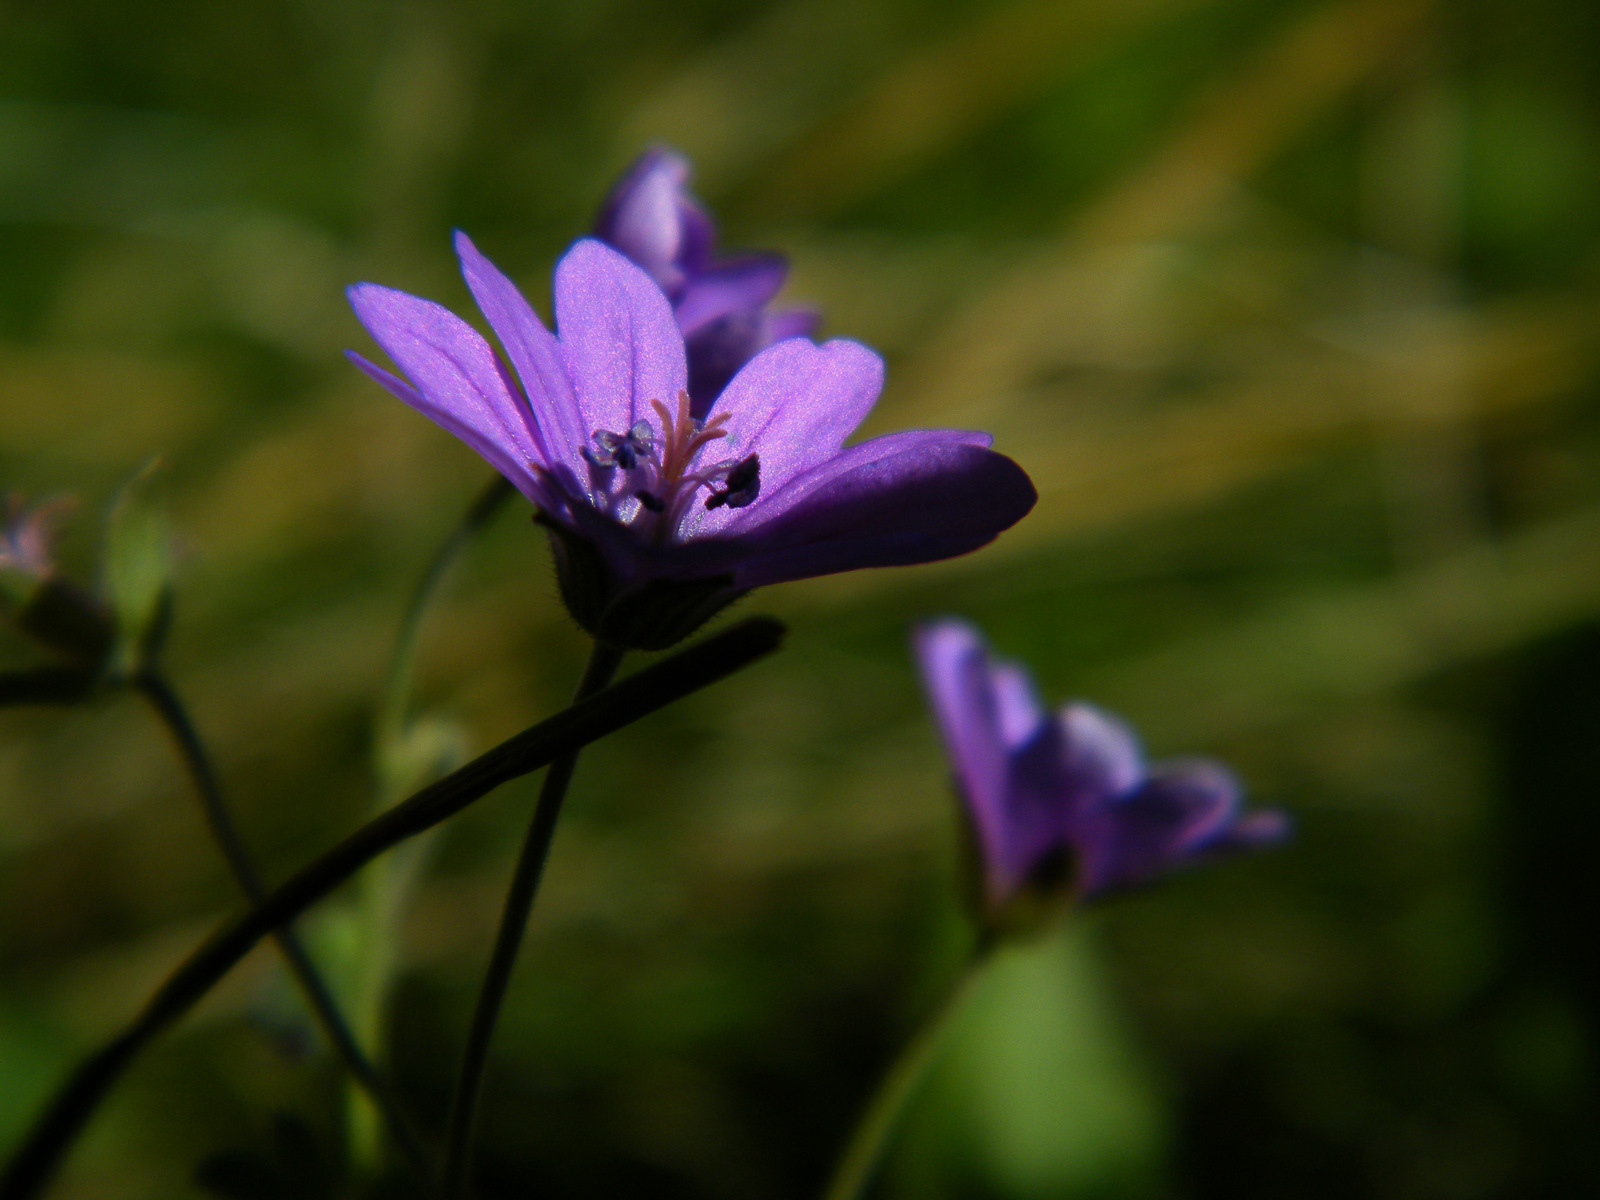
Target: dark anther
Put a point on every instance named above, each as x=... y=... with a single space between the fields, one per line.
x=620 y=449
x=650 y=500
x=741 y=485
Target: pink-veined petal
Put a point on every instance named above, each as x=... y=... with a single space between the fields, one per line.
x=621 y=345
x=533 y=351
x=794 y=404
x=452 y=376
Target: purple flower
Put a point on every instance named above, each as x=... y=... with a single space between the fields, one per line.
x=28 y=536
x=1068 y=798
x=720 y=304
x=658 y=518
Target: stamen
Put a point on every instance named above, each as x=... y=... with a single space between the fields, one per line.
x=743 y=484
x=660 y=467
x=621 y=449
x=683 y=437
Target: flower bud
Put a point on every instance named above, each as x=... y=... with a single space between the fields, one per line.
x=47 y=608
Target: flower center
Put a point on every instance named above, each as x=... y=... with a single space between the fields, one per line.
x=650 y=478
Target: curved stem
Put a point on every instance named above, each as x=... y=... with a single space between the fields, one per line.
x=603 y=663
x=397 y=684
x=39 y=1153
x=858 y=1166
x=384 y=888
x=154 y=687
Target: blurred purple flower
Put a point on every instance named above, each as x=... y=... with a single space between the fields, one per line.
x=28 y=535
x=657 y=518
x=1067 y=798
x=720 y=304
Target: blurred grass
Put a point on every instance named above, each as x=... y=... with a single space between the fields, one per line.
x=1288 y=308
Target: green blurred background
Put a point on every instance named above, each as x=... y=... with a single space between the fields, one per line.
x=1289 y=308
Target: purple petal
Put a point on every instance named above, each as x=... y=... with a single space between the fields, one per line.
x=795 y=322
x=1063 y=781
x=955 y=672
x=387 y=380
x=735 y=285
x=1253 y=831
x=795 y=403
x=775 y=503
x=1099 y=751
x=533 y=351
x=906 y=498
x=698 y=234
x=1038 y=803
x=1018 y=707
x=1167 y=821
x=642 y=216
x=455 y=379
x=618 y=338
x=719 y=351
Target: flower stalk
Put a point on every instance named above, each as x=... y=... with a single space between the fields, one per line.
x=391 y=719
x=863 y=1155
x=604 y=659
x=385 y=887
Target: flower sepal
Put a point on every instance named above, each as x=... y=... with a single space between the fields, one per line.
x=1034 y=908
x=138 y=570
x=63 y=617
x=653 y=615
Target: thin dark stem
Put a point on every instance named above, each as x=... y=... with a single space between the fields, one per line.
x=858 y=1165
x=603 y=663
x=392 y=708
x=39 y=1154
x=154 y=687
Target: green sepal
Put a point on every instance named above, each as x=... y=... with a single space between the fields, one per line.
x=1040 y=904
x=654 y=615
x=1037 y=906
x=581 y=574
x=62 y=616
x=138 y=569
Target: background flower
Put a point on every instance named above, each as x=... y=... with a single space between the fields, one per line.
x=1063 y=801
x=720 y=303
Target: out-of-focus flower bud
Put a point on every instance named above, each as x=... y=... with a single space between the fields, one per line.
x=46 y=607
